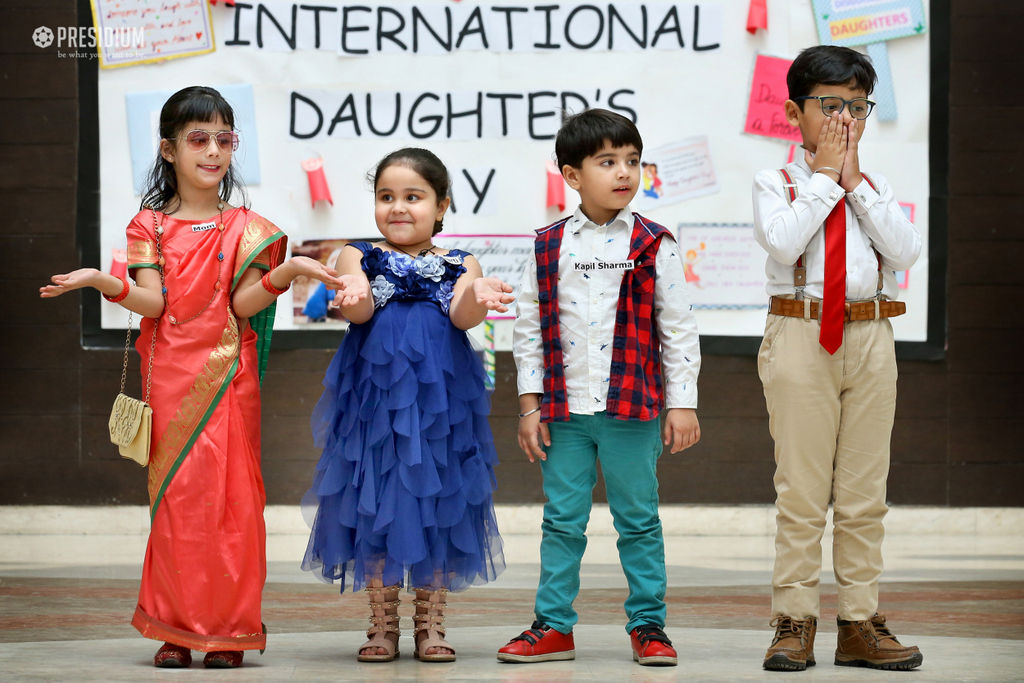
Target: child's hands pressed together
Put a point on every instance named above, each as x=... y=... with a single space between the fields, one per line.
x=831 y=150
x=851 y=162
x=353 y=289
x=681 y=429
x=492 y=293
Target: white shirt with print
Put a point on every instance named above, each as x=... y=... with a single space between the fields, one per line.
x=587 y=302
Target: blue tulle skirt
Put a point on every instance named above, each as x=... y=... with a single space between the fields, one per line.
x=403 y=488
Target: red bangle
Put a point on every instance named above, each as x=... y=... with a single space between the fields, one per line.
x=269 y=286
x=120 y=297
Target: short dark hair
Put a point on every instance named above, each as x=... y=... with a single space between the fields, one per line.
x=829 y=65
x=583 y=134
x=426 y=164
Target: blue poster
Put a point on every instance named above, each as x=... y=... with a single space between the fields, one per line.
x=144 y=136
x=859 y=22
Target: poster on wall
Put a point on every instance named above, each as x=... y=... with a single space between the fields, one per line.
x=674 y=172
x=860 y=22
x=131 y=32
x=723 y=265
x=500 y=256
x=311 y=300
x=766 y=111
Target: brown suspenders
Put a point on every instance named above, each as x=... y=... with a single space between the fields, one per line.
x=800 y=270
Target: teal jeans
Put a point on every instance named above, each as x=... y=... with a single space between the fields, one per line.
x=629 y=454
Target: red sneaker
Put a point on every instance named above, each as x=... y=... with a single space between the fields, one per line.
x=540 y=643
x=651 y=647
x=172 y=657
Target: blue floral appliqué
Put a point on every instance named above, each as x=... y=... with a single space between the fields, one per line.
x=444 y=295
x=401 y=265
x=430 y=267
x=382 y=290
x=400 y=277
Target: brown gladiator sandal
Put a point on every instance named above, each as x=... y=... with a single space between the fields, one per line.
x=429 y=617
x=384 y=604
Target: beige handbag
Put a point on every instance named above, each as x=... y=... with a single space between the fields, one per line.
x=131 y=420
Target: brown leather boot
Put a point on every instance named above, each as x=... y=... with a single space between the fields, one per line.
x=793 y=646
x=870 y=643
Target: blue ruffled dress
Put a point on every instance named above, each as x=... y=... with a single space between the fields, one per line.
x=403 y=487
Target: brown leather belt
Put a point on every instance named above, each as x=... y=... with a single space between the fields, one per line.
x=858 y=310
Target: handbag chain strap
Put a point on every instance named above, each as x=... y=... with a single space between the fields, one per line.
x=152 y=353
x=156 y=324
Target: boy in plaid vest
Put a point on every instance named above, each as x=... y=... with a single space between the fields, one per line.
x=604 y=340
x=834 y=236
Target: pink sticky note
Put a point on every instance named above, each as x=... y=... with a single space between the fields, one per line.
x=766 y=112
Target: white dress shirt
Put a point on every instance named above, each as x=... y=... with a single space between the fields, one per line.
x=587 y=301
x=874 y=221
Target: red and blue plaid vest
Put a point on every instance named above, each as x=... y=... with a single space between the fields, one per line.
x=634 y=391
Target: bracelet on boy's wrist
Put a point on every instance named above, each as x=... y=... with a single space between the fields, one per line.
x=829 y=168
x=529 y=412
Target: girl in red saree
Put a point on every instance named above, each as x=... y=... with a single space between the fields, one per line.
x=207 y=278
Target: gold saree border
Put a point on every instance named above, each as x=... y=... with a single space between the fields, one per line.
x=195 y=410
x=259 y=234
x=142 y=252
x=155 y=629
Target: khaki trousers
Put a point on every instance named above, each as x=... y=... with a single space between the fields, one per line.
x=831 y=418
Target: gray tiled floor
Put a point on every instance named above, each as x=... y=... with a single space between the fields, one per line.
x=718 y=654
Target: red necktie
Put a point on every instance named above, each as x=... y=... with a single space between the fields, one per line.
x=834 y=296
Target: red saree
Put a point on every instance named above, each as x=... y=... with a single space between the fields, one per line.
x=205 y=564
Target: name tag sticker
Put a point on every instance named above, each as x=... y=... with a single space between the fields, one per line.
x=202 y=227
x=588 y=266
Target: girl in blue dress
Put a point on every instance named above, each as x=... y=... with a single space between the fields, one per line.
x=403 y=487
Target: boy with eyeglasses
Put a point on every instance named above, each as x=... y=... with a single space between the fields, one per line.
x=834 y=236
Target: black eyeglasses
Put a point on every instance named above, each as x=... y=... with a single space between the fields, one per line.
x=860 y=108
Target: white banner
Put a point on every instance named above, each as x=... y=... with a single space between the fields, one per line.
x=434 y=28
x=459 y=115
